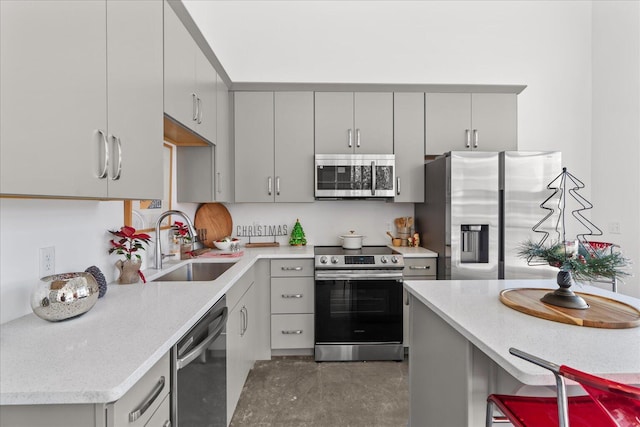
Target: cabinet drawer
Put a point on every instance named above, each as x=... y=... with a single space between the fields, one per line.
x=144 y=398
x=292 y=331
x=292 y=295
x=419 y=267
x=291 y=267
x=162 y=417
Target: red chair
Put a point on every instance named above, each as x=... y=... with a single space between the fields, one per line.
x=607 y=404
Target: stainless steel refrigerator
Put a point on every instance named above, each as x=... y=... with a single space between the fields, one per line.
x=480 y=206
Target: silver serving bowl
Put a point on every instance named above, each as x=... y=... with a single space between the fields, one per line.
x=62 y=296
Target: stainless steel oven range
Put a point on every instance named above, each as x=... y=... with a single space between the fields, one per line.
x=358 y=304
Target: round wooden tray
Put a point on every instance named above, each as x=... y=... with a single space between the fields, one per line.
x=602 y=312
x=216 y=219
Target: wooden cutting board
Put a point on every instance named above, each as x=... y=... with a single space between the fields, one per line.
x=216 y=220
x=602 y=312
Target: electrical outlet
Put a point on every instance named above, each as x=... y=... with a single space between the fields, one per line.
x=614 y=227
x=47 y=261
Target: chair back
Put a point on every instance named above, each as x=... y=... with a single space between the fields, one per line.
x=620 y=401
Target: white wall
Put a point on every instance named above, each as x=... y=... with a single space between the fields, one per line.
x=616 y=128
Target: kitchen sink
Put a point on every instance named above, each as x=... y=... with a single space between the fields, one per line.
x=196 y=272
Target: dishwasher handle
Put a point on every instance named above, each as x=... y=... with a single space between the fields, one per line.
x=202 y=347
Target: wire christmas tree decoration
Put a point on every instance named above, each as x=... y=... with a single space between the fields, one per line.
x=578 y=257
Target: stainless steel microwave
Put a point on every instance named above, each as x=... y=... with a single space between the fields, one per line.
x=357 y=176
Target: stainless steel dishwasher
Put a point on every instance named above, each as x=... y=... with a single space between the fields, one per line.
x=199 y=368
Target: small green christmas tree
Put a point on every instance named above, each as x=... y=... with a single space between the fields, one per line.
x=297 y=235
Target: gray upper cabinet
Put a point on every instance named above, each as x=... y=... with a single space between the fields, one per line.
x=408 y=146
x=465 y=121
x=189 y=80
x=294 y=147
x=224 y=152
x=55 y=102
x=273 y=146
x=205 y=174
x=348 y=122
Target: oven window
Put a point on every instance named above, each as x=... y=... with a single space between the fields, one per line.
x=358 y=311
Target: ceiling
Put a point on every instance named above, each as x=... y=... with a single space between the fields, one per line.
x=419 y=41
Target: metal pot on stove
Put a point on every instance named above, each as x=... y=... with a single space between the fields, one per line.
x=352 y=240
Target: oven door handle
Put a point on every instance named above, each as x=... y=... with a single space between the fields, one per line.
x=202 y=347
x=358 y=276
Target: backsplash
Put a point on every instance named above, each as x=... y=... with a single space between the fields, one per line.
x=77 y=229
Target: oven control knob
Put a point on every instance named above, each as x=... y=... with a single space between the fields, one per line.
x=334 y=260
x=383 y=259
x=323 y=259
x=394 y=259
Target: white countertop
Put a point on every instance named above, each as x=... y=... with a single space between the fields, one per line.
x=473 y=308
x=100 y=355
x=414 y=252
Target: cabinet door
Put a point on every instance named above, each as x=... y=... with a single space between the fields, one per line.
x=235 y=325
x=254 y=163
x=373 y=123
x=206 y=78
x=53 y=80
x=135 y=99
x=179 y=70
x=294 y=147
x=448 y=122
x=408 y=146
x=494 y=119
x=224 y=159
x=334 y=132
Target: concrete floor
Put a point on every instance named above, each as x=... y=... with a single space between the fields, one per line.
x=298 y=392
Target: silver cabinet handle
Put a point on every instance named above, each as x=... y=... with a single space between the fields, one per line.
x=105 y=164
x=194 y=104
x=277 y=185
x=358 y=138
x=116 y=141
x=244 y=320
x=419 y=267
x=291 y=268
x=475 y=138
x=270 y=185
x=373 y=177
x=398 y=185
x=199 y=105
x=350 y=137
x=296 y=332
x=467 y=135
x=140 y=410
x=219 y=183
x=292 y=295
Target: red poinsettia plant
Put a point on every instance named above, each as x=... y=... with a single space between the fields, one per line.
x=181 y=230
x=129 y=242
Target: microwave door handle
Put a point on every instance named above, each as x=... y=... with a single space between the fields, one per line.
x=373 y=177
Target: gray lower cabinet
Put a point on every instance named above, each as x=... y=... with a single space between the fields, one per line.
x=292 y=305
x=470 y=121
x=81 y=102
x=415 y=269
x=408 y=146
x=189 y=80
x=273 y=146
x=145 y=404
x=354 y=123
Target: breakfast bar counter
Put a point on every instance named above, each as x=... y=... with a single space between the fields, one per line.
x=461 y=334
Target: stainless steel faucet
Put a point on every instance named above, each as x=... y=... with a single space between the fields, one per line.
x=158 y=256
